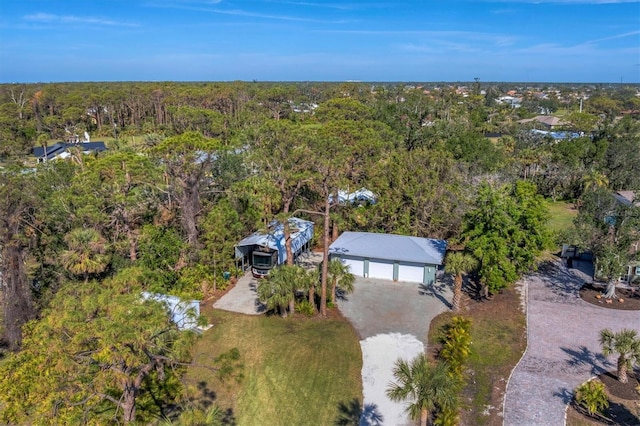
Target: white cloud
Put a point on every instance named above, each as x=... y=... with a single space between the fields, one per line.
x=583 y=50
x=238 y=12
x=498 y=40
x=613 y=37
x=247 y=14
x=71 y=19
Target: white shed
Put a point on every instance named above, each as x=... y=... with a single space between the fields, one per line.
x=184 y=313
x=390 y=256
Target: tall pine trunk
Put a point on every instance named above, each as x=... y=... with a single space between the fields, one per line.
x=129 y=403
x=325 y=257
x=190 y=208
x=286 y=230
x=334 y=283
x=17 y=301
x=334 y=231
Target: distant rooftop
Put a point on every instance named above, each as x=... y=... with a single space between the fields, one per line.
x=60 y=149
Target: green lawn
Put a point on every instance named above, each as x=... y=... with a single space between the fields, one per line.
x=296 y=371
x=497 y=346
x=561 y=215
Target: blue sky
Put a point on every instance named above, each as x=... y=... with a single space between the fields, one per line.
x=294 y=40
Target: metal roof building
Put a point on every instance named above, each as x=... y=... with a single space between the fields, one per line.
x=390 y=256
x=61 y=150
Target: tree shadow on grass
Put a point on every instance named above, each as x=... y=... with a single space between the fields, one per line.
x=583 y=356
x=201 y=402
x=206 y=397
x=206 y=401
x=352 y=413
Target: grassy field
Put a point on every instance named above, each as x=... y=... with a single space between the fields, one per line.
x=561 y=215
x=295 y=371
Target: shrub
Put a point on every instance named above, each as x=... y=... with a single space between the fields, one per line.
x=305 y=308
x=591 y=395
x=457 y=344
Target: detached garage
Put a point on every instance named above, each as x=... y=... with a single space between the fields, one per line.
x=389 y=256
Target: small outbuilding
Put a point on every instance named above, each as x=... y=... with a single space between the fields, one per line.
x=390 y=256
x=184 y=313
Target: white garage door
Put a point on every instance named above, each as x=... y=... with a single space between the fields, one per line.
x=413 y=273
x=381 y=269
x=356 y=266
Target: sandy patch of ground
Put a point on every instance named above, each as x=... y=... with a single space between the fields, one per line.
x=379 y=354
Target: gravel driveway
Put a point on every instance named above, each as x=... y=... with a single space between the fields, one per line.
x=563 y=349
x=381 y=306
x=392 y=319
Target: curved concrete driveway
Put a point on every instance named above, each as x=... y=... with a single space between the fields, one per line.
x=563 y=349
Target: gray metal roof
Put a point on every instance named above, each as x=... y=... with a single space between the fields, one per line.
x=390 y=247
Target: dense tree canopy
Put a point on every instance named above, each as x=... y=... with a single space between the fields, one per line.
x=505 y=231
x=191 y=168
x=101 y=351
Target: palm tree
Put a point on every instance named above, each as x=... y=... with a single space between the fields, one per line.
x=277 y=290
x=594 y=180
x=340 y=276
x=428 y=387
x=626 y=344
x=86 y=252
x=458 y=264
x=309 y=282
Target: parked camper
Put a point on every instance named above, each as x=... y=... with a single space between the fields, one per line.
x=263 y=251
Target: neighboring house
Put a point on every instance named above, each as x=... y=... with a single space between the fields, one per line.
x=390 y=256
x=61 y=150
x=548 y=122
x=361 y=196
x=509 y=100
x=556 y=135
x=627 y=198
